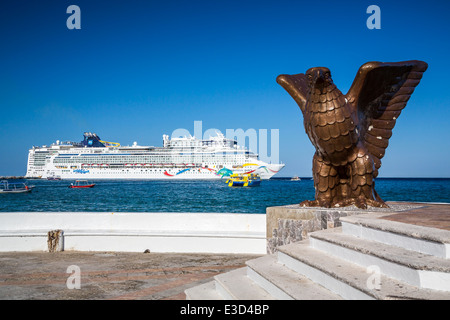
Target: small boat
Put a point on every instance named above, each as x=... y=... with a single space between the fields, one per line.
x=81 y=184
x=53 y=177
x=244 y=180
x=6 y=187
x=295 y=178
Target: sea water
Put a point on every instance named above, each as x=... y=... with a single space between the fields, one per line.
x=199 y=195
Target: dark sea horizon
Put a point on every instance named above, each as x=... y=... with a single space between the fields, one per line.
x=199 y=195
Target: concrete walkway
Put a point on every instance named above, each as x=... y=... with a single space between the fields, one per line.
x=108 y=276
x=430 y=215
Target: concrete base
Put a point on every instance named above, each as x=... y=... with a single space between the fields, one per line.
x=292 y=223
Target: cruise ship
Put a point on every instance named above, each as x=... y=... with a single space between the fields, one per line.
x=178 y=158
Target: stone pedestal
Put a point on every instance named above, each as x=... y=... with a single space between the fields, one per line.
x=292 y=223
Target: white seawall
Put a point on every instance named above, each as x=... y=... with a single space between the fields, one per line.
x=135 y=232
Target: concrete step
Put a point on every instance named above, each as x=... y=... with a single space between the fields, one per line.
x=347 y=279
x=414 y=268
x=283 y=283
x=206 y=291
x=367 y=258
x=422 y=239
x=236 y=285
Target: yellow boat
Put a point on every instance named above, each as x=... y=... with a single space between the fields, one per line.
x=244 y=180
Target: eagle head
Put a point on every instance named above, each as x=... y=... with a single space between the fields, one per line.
x=319 y=78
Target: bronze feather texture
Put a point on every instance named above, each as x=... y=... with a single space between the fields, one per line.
x=351 y=132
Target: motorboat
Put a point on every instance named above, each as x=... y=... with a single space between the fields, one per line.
x=81 y=184
x=6 y=187
x=244 y=180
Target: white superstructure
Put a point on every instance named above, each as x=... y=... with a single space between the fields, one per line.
x=179 y=158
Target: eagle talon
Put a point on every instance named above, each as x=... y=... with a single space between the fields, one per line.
x=361 y=203
x=316 y=203
x=310 y=203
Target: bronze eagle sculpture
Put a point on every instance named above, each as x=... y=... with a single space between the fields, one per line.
x=351 y=132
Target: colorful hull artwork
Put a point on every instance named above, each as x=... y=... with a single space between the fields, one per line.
x=260 y=167
x=179 y=172
x=222 y=172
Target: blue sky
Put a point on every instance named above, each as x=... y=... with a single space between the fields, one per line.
x=139 y=69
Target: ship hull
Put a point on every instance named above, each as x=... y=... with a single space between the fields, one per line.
x=265 y=172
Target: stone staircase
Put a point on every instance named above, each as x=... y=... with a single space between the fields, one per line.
x=367 y=258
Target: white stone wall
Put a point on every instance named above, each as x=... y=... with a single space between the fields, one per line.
x=135 y=231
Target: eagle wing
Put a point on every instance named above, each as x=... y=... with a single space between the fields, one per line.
x=378 y=94
x=297 y=86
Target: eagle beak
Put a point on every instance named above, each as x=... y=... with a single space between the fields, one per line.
x=319 y=76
